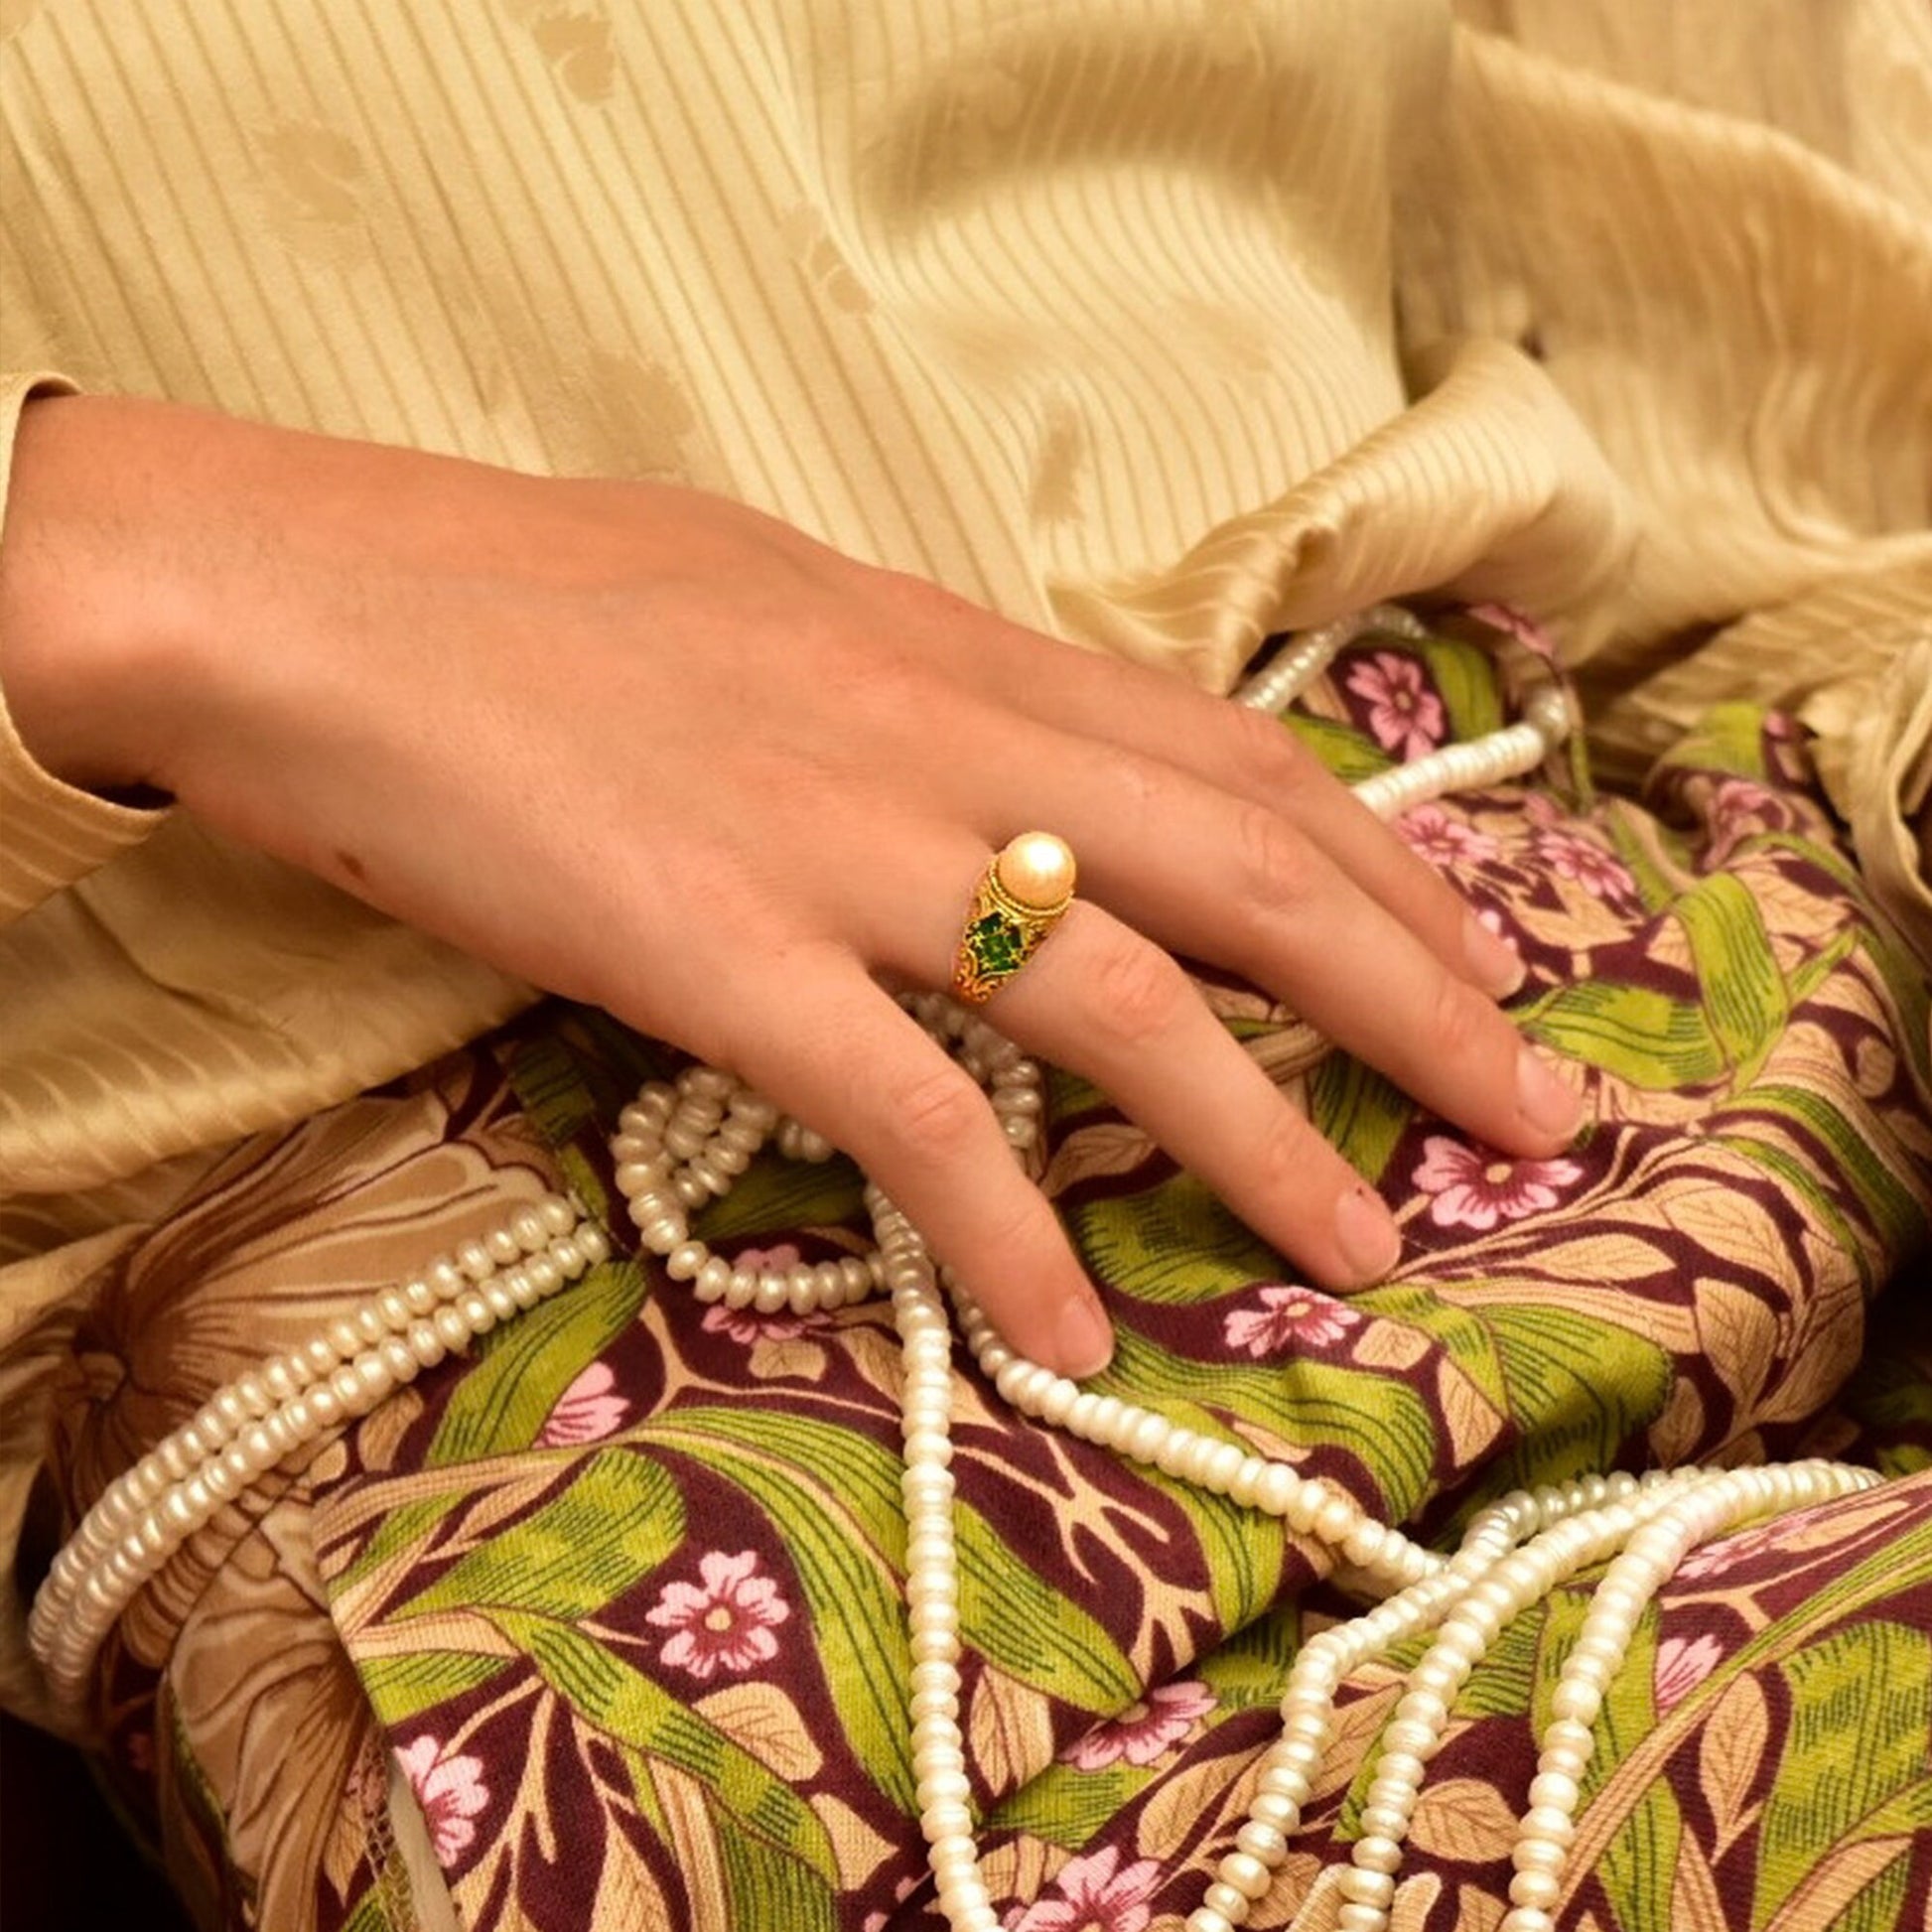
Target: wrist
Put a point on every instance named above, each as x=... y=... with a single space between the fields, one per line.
x=102 y=583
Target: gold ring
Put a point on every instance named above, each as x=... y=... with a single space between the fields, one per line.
x=1020 y=899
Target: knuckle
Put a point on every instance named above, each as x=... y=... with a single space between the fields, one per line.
x=1462 y=1019
x=1277 y=862
x=1278 y=759
x=1280 y=1159
x=935 y=1115
x=1135 y=990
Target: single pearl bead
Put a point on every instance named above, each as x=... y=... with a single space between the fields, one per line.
x=1038 y=869
x=1226 y=1901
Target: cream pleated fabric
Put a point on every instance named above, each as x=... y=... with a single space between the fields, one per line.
x=1157 y=323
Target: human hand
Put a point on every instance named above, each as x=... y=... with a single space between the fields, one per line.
x=655 y=750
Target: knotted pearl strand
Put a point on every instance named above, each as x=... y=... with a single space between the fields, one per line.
x=261 y=1418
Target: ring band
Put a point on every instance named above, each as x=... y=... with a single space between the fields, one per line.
x=1020 y=899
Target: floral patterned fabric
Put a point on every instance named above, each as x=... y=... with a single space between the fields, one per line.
x=618 y=1598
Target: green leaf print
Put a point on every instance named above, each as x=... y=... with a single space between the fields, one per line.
x=833 y=1499
x=401 y=1688
x=1634 y=1032
x=1578 y=1390
x=1069 y=1807
x=1466 y=678
x=619 y=1519
x=768 y=1888
x=1019 y=1621
x=1244 y=1550
x=1135 y=1243
x=523 y=1367
x=1343 y=749
x=783 y=1195
x=1743 y=993
x=1383 y=1423
x=1727 y=738
x=629 y=1708
x=1853 y=1764
x=834 y=1491
x=1359 y=1112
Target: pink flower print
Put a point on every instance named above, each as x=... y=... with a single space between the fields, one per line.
x=747 y=1326
x=450 y=1790
x=1682 y=1665
x=586 y=1412
x=1474 y=1186
x=727 y=1625
x=1445 y=841
x=1289 y=1314
x=1144 y=1731
x=1741 y=807
x=1598 y=873
x=768 y=1261
x=1513 y=624
x=1094 y=1897
x=1404 y=715
x=1713 y=1558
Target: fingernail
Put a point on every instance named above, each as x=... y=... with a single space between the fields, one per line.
x=1082 y=1339
x=1497 y=965
x=1548 y=1102
x=1366 y=1234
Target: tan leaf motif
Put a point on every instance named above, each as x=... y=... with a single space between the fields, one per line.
x=1730 y=1755
x=1322 y=1906
x=694 y=1846
x=1682 y=1423
x=1834 y=1880
x=1696 y=1906
x=1469 y=1417
x=1740 y=1336
x=796 y=1359
x=1729 y=1225
x=1462 y=1818
x=1284 y=1898
x=1477 y=1910
x=626 y=1894
x=1106 y=1147
x=1414 y=1899
x=768 y=1725
x=1196 y=1798
x=859 y=1849
x=1008 y=1730
x=1390 y=1345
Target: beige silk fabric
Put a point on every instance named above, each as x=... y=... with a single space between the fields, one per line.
x=1157 y=323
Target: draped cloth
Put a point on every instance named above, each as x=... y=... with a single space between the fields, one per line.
x=602 y=1627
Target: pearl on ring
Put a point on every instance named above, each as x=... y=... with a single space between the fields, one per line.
x=1038 y=869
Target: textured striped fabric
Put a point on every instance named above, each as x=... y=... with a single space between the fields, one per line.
x=1159 y=324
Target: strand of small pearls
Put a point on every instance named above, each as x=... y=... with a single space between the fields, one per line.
x=1509 y=753
x=1715 y=1503
x=1478 y=765
x=1466 y=1599
x=683 y=1143
x=1297 y=665
x=261 y=1418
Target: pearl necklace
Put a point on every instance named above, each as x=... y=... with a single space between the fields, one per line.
x=264 y=1418
x=1513 y=1555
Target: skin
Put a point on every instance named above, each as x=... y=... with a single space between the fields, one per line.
x=743 y=785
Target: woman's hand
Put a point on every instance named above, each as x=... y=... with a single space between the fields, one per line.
x=652 y=750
